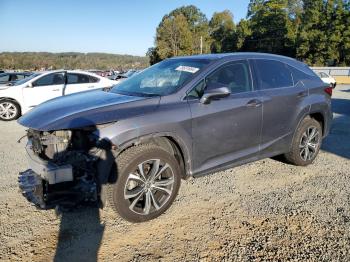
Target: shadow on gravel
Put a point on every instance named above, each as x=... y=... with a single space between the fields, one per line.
x=81 y=230
x=338 y=140
x=80 y=235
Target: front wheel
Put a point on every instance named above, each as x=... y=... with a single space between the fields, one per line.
x=306 y=143
x=148 y=181
x=9 y=110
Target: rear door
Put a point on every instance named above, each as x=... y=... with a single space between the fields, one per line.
x=282 y=102
x=45 y=88
x=78 y=82
x=228 y=129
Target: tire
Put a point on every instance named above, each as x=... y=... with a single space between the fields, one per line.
x=305 y=144
x=9 y=110
x=139 y=197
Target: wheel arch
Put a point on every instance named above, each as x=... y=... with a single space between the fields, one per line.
x=319 y=117
x=170 y=143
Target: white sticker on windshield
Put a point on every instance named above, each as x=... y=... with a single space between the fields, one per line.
x=188 y=69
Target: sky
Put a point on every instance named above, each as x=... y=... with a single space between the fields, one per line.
x=119 y=27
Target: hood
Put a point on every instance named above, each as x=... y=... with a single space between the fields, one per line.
x=86 y=109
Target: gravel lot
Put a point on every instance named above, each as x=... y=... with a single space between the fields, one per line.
x=266 y=210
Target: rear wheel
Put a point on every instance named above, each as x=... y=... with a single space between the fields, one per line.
x=9 y=110
x=306 y=143
x=148 y=181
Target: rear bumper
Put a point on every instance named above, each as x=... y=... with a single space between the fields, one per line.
x=47 y=170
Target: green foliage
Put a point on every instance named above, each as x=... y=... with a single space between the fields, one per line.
x=315 y=31
x=243 y=33
x=271 y=27
x=38 y=60
x=324 y=33
x=222 y=32
x=180 y=33
x=174 y=37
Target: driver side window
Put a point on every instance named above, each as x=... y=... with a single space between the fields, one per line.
x=235 y=76
x=51 y=79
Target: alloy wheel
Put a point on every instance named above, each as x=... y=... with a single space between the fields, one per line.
x=149 y=187
x=7 y=110
x=309 y=143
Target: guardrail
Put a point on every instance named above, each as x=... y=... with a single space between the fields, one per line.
x=333 y=71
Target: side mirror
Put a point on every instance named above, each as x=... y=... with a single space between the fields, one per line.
x=215 y=93
x=29 y=85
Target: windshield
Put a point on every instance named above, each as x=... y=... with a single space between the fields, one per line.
x=26 y=79
x=161 y=79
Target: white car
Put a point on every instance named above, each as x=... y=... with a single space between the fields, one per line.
x=19 y=98
x=327 y=79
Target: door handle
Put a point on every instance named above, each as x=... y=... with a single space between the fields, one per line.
x=302 y=94
x=254 y=103
x=56 y=89
x=90 y=86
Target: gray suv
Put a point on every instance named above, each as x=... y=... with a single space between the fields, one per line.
x=183 y=117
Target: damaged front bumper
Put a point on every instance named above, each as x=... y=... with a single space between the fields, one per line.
x=31 y=186
x=33 y=183
x=47 y=170
x=47 y=184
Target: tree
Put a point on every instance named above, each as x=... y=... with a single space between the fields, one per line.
x=153 y=55
x=222 y=32
x=243 y=32
x=174 y=37
x=198 y=25
x=184 y=31
x=271 y=27
x=323 y=36
x=345 y=45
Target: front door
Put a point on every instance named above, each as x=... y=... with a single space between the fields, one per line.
x=45 y=88
x=226 y=130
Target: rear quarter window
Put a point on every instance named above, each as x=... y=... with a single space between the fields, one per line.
x=93 y=79
x=299 y=75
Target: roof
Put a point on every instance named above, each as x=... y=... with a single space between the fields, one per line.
x=234 y=55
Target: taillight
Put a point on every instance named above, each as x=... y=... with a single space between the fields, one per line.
x=329 y=90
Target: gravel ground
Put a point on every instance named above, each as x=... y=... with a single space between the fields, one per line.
x=265 y=210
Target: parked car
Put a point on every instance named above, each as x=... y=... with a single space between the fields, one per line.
x=29 y=92
x=11 y=78
x=121 y=77
x=328 y=79
x=183 y=117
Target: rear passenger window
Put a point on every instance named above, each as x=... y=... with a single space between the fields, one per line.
x=235 y=76
x=273 y=74
x=20 y=77
x=80 y=79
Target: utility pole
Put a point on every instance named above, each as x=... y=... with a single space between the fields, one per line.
x=201 y=45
